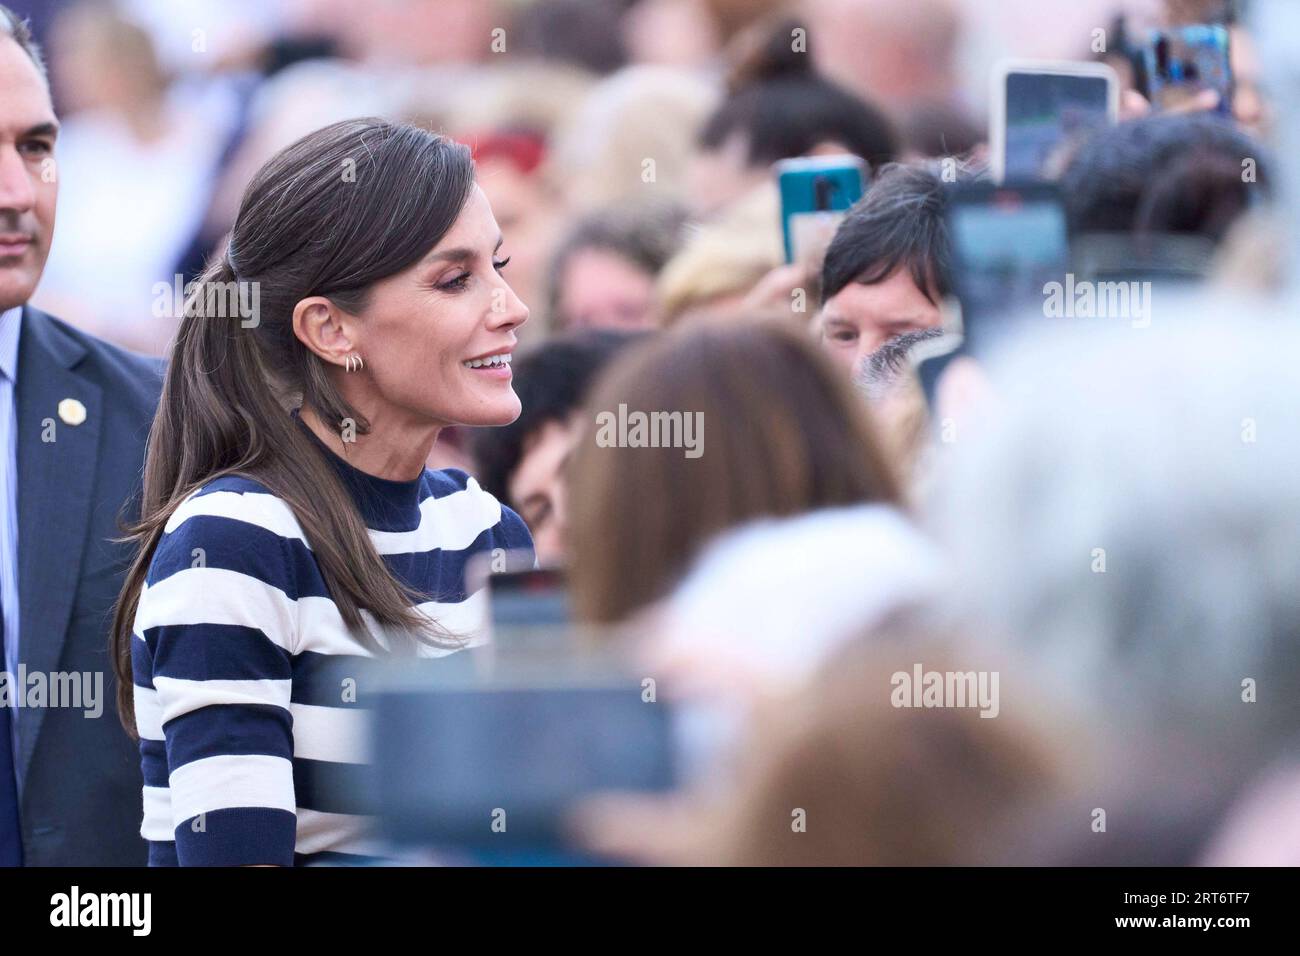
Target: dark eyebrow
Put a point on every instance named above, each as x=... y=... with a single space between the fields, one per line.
x=460 y=253
x=42 y=129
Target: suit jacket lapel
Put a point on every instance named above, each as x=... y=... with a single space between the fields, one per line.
x=56 y=472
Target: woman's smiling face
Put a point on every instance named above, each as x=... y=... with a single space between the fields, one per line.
x=426 y=332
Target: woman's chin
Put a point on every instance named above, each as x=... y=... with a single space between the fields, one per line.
x=502 y=411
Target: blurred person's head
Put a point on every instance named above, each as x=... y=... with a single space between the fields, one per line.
x=531 y=96
x=689 y=33
x=28 y=185
x=722 y=260
x=584 y=33
x=680 y=33
x=887 y=270
x=523 y=464
x=103 y=60
x=603 y=273
x=897 y=52
x=779 y=107
x=425 y=32
x=1128 y=519
x=630 y=140
x=758 y=425
x=1165 y=174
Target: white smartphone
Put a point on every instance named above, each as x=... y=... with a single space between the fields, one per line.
x=1041 y=111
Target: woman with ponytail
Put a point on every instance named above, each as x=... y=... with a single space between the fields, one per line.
x=290 y=531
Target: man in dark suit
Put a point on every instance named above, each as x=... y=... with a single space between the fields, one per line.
x=74 y=417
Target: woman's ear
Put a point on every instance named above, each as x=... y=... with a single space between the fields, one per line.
x=320 y=325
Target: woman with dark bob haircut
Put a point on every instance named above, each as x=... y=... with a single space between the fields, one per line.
x=290 y=532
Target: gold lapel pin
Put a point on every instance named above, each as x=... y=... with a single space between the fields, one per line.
x=72 y=412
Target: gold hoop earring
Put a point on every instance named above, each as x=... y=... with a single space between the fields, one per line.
x=352 y=362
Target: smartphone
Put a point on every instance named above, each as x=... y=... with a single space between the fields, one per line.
x=494 y=768
x=1181 y=62
x=1008 y=242
x=815 y=193
x=532 y=598
x=1042 y=110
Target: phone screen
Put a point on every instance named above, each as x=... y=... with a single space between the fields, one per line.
x=815 y=194
x=538 y=596
x=452 y=760
x=1047 y=115
x=1008 y=243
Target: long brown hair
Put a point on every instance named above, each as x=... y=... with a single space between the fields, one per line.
x=782 y=435
x=330 y=215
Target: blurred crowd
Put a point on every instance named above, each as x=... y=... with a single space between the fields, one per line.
x=1104 y=516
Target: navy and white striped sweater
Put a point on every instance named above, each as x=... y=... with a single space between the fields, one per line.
x=251 y=732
